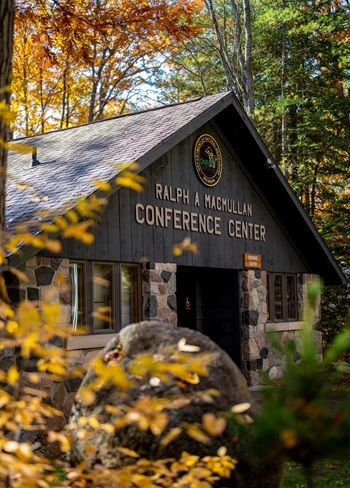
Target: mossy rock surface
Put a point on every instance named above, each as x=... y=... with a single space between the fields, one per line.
x=160 y=340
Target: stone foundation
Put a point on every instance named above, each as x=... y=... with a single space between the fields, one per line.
x=258 y=355
x=48 y=279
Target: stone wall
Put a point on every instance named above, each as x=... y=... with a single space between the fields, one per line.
x=48 y=279
x=258 y=356
x=159 y=292
x=48 y=282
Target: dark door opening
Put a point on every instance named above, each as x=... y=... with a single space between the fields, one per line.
x=208 y=301
x=186 y=286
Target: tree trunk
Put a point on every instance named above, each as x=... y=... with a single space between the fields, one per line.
x=6 y=42
x=248 y=70
x=283 y=93
x=238 y=72
x=222 y=48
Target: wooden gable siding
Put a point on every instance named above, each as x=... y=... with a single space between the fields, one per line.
x=120 y=238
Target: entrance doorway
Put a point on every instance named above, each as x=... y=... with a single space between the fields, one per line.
x=208 y=301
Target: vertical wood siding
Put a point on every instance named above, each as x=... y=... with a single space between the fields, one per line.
x=120 y=238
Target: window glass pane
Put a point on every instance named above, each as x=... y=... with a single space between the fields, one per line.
x=278 y=296
x=129 y=301
x=102 y=296
x=291 y=297
x=77 y=280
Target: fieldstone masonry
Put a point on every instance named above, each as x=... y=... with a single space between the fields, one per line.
x=258 y=354
x=48 y=279
x=159 y=292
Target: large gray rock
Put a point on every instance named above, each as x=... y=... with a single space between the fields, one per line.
x=155 y=338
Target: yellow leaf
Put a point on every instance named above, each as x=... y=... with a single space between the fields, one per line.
x=24 y=452
x=240 y=407
x=53 y=246
x=131 y=180
x=6 y=311
x=72 y=216
x=170 y=436
x=159 y=423
x=24 y=148
x=12 y=375
x=11 y=326
x=50 y=227
x=101 y=316
x=61 y=222
x=86 y=397
x=177 y=251
x=29 y=343
x=102 y=185
x=107 y=428
x=222 y=451
x=128 y=452
x=191 y=378
x=214 y=426
x=11 y=446
x=87 y=238
x=182 y=346
x=61 y=438
x=198 y=435
x=53 y=366
x=94 y=423
x=189 y=459
x=16 y=272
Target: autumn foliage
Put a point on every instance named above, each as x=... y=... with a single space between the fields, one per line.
x=75 y=62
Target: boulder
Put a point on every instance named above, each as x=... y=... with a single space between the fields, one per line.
x=159 y=340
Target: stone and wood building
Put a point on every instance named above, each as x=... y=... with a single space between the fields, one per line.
x=217 y=241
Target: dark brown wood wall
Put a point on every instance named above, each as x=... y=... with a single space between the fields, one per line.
x=120 y=238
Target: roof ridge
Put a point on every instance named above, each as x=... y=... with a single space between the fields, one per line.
x=152 y=109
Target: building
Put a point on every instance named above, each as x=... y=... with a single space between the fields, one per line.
x=209 y=180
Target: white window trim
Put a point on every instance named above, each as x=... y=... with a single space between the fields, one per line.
x=284 y=326
x=90 y=341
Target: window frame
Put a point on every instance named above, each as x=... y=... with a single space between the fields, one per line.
x=84 y=294
x=91 y=328
x=138 y=290
x=270 y=299
x=88 y=266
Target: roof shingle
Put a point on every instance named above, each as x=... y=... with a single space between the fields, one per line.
x=70 y=159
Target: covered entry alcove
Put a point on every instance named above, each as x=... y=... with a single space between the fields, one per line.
x=207 y=300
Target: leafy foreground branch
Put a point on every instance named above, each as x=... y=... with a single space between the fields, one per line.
x=162 y=406
x=299 y=418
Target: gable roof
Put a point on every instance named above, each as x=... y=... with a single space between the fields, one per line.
x=70 y=159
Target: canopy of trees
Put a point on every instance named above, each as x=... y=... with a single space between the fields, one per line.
x=75 y=62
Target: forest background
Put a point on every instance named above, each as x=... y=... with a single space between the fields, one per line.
x=287 y=62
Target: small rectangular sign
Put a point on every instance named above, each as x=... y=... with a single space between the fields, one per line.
x=252 y=260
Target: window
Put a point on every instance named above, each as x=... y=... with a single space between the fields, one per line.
x=129 y=294
x=292 y=297
x=102 y=297
x=281 y=297
x=77 y=280
x=105 y=296
x=278 y=296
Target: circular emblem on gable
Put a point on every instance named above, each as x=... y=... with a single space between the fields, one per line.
x=208 y=160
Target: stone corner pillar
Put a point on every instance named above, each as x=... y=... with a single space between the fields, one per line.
x=159 y=292
x=253 y=291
